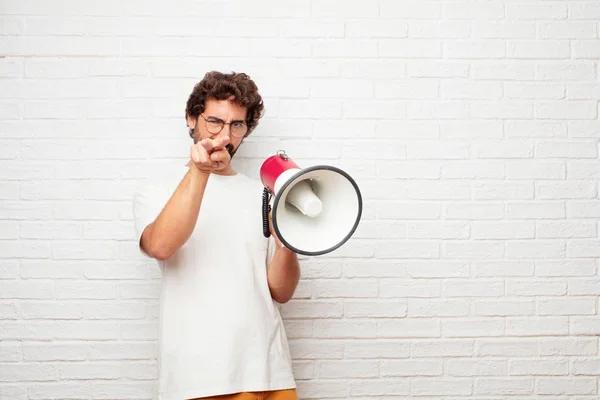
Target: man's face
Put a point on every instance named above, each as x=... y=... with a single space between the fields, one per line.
x=217 y=112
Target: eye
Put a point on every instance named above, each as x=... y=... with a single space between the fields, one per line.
x=238 y=124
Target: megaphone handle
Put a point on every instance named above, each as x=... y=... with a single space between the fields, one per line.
x=266 y=208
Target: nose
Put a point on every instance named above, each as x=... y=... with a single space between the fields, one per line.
x=226 y=131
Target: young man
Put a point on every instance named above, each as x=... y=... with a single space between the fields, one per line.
x=220 y=329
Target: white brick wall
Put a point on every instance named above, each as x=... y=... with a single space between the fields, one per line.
x=472 y=129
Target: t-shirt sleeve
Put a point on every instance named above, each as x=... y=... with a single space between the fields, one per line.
x=148 y=202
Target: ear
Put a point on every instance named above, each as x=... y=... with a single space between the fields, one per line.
x=191 y=122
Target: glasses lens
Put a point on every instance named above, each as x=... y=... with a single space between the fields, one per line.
x=239 y=129
x=213 y=126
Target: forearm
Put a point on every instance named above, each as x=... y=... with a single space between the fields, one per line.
x=176 y=222
x=283 y=274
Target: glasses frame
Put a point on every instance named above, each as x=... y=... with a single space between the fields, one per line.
x=223 y=123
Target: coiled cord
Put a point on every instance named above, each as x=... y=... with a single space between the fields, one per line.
x=266 y=208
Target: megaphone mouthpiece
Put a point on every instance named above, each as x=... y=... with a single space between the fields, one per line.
x=305 y=200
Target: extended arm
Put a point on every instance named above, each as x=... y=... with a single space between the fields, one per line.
x=176 y=222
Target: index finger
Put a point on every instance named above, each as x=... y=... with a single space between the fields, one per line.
x=214 y=144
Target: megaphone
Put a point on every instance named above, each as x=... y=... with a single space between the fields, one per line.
x=315 y=209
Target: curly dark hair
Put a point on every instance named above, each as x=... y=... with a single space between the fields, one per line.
x=221 y=86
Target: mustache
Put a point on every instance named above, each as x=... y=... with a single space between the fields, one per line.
x=231 y=150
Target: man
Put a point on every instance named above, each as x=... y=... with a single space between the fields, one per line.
x=220 y=329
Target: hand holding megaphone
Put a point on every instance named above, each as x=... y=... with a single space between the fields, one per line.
x=315 y=209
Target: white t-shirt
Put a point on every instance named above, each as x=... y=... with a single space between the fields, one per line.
x=220 y=330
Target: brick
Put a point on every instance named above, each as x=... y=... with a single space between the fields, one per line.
x=345 y=329
x=26 y=289
x=536 y=288
x=504 y=386
x=496 y=268
x=574 y=306
x=535 y=11
x=507 y=347
x=586 y=367
x=53 y=310
x=572 y=346
x=413 y=48
x=438 y=29
x=379 y=387
x=503 y=191
x=566 y=190
x=567 y=385
x=503 y=308
x=475 y=49
x=536 y=249
x=585 y=10
x=471 y=90
x=403 y=368
x=24 y=372
x=538 y=49
x=14 y=391
x=437 y=68
x=407 y=249
x=340 y=48
x=393 y=288
x=370 y=269
x=504 y=30
x=433 y=230
x=568 y=30
x=474 y=211
x=54 y=352
x=408 y=328
x=312 y=309
x=372 y=28
x=473 y=170
x=435 y=386
x=461 y=328
x=348 y=369
x=411 y=9
x=534 y=91
x=517 y=326
x=567 y=110
x=303 y=370
x=10 y=352
x=434 y=348
x=10 y=68
x=477 y=367
x=584 y=286
x=584 y=326
x=503 y=230
x=469 y=249
x=536 y=129
x=437 y=308
x=8 y=311
x=408 y=211
x=375 y=309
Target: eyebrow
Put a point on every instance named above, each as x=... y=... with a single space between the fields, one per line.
x=219 y=119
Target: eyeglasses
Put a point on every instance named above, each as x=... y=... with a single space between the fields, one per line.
x=216 y=125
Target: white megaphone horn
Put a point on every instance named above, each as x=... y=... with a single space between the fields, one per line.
x=315 y=209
